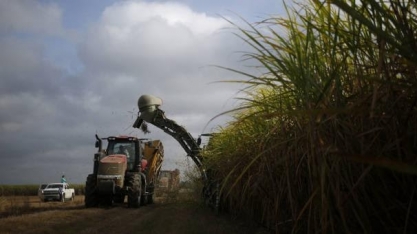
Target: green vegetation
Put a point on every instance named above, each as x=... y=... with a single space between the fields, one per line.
x=326 y=140
x=19 y=190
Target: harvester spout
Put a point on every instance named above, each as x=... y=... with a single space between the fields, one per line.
x=148 y=105
x=138 y=122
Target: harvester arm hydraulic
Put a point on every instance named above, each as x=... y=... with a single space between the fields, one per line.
x=150 y=112
x=180 y=134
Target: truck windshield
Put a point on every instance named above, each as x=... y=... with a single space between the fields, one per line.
x=55 y=186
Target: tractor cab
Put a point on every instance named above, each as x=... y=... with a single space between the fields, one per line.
x=128 y=146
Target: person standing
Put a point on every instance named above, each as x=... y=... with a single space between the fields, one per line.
x=63 y=180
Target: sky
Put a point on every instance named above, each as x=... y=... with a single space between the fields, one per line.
x=73 y=69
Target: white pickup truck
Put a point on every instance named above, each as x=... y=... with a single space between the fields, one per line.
x=57 y=191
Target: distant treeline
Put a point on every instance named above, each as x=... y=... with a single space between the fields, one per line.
x=31 y=189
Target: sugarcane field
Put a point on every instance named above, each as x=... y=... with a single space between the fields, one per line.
x=208 y=116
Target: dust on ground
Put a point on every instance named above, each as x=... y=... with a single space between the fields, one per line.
x=171 y=217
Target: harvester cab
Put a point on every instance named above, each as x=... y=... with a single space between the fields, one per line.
x=128 y=167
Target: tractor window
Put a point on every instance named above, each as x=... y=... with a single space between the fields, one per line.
x=126 y=148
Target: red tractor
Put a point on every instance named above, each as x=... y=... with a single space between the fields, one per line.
x=128 y=167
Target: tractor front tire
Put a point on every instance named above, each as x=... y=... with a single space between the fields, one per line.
x=90 y=197
x=134 y=193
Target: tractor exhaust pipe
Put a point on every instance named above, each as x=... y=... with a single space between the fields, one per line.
x=98 y=143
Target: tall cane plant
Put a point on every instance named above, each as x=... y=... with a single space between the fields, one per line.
x=326 y=138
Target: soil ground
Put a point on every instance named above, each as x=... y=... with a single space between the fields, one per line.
x=29 y=215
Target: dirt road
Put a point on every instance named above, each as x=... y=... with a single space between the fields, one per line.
x=177 y=217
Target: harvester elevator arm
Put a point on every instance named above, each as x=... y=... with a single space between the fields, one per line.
x=150 y=112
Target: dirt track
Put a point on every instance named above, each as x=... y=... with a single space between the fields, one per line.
x=180 y=217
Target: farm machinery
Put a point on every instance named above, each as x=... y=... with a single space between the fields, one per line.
x=129 y=166
x=150 y=112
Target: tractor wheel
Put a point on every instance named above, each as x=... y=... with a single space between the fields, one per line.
x=144 y=200
x=150 y=198
x=134 y=193
x=119 y=198
x=90 y=197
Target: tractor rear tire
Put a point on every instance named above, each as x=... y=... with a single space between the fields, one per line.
x=91 y=198
x=134 y=193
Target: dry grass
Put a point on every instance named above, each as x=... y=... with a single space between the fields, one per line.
x=20 y=205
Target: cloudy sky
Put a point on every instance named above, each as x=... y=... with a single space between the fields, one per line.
x=71 y=69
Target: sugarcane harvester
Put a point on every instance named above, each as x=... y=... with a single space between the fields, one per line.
x=150 y=112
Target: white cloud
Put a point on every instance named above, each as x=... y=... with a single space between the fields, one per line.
x=165 y=36
x=30 y=17
x=162 y=49
x=134 y=48
x=128 y=14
